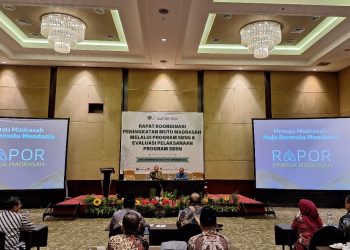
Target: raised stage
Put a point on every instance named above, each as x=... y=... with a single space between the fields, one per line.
x=75 y=207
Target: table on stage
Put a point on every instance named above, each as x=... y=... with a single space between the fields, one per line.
x=285 y=235
x=142 y=187
x=36 y=238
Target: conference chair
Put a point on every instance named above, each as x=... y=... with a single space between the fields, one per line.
x=326 y=236
x=2 y=240
x=197 y=176
x=187 y=231
x=129 y=175
x=115 y=231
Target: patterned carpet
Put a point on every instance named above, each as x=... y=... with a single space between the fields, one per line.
x=244 y=233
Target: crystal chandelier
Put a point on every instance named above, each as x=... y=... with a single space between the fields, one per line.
x=261 y=37
x=63 y=31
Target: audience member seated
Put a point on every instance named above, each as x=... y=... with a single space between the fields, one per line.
x=12 y=222
x=192 y=213
x=156 y=174
x=117 y=218
x=307 y=222
x=344 y=222
x=129 y=240
x=209 y=238
x=181 y=175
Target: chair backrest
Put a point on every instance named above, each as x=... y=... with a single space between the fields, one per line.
x=326 y=236
x=187 y=231
x=2 y=240
x=115 y=231
x=197 y=176
x=173 y=245
x=129 y=175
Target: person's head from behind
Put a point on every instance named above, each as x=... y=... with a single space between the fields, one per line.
x=156 y=168
x=207 y=218
x=195 y=199
x=347 y=203
x=13 y=204
x=131 y=223
x=129 y=201
x=181 y=170
x=308 y=208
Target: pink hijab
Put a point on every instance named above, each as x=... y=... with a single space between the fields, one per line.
x=310 y=214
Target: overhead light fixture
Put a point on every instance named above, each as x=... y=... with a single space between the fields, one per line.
x=63 y=31
x=261 y=37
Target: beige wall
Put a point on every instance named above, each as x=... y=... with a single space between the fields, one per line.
x=162 y=90
x=344 y=92
x=94 y=139
x=304 y=94
x=24 y=91
x=231 y=100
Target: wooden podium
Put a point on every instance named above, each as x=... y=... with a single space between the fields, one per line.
x=106 y=183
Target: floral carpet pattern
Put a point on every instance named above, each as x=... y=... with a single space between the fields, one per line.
x=243 y=233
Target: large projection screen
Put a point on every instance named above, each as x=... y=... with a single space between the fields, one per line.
x=302 y=154
x=32 y=153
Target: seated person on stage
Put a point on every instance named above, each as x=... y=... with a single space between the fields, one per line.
x=209 y=238
x=156 y=174
x=181 y=176
x=191 y=213
x=344 y=222
x=307 y=222
x=129 y=240
x=12 y=222
x=128 y=205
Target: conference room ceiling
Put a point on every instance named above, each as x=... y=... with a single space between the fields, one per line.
x=194 y=34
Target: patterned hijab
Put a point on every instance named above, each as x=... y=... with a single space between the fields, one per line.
x=310 y=214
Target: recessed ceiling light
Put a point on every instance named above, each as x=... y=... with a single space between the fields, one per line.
x=216 y=40
x=83 y=64
x=24 y=22
x=314 y=69
x=163 y=39
x=314 y=18
x=9 y=7
x=3 y=62
x=240 y=68
x=99 y=11
x=291 y=41
x=163 y=11
x=163 y=61
x=346 y=49
x=163 y=67
x=35 y=34
x=110 y=36
x=226 y=16
x=297 y=30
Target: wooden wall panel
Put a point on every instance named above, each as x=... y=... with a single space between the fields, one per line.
x=344 y=92
x=304 y=94
x=231 y=100
x=24 y=91
x=94 y=138
x=162 y=90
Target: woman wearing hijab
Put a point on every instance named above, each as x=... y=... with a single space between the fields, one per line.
x=307 y=222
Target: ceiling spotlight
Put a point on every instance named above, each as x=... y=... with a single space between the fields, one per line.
x=215 y=40
x=314 y=18
x=163 y=67
x=314 y=69
x=35 y=34
x=99 y=11
x=163 y=39
x=163 y=61
x=83 y=64
x=9 y=7
x=163 y=11
x=63 y=31
x=3 y=62
x=240 y=68
x=261 y=37
x=109 y=36
x=226 y=16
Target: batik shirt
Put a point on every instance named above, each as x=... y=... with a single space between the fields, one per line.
x=344 y=225
x=127 y=242
x=208 y=240
x=11 y=223
x=189 y=215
